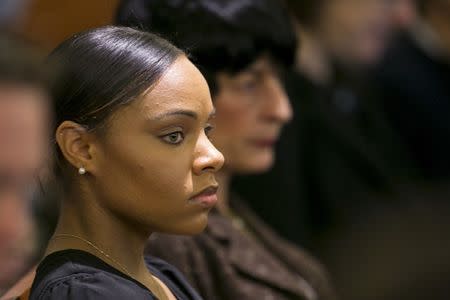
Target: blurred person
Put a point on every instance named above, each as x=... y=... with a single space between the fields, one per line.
x=132 y=152
x=353 y=33
x=340 y=148
x=241 y=47
x=413 y=82
x=24 y=127
x=356 y=145
x=404 y=13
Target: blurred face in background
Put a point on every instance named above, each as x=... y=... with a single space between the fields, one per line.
x=23 y=132
x=23 y=150
x=358 y=31
x=251 y=108
x=403 y=13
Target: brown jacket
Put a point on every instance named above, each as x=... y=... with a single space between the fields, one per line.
x=225 y=263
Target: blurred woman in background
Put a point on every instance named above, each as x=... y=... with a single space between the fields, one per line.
x=24 y=129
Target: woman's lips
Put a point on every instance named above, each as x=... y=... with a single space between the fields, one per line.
x=207 y=197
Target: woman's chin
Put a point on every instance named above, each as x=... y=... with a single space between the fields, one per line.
x=193 y=227
x=257 y=165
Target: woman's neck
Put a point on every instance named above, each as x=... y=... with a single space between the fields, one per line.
x=86 y=226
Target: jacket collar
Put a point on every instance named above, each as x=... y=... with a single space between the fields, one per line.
x=246 y=252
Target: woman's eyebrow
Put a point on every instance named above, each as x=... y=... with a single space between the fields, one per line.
x=182 y=112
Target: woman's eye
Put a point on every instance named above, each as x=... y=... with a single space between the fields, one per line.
x=174 y=137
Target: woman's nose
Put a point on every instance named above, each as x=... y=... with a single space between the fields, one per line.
x=208 y=158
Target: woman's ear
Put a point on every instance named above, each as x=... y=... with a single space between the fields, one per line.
x=76 y=144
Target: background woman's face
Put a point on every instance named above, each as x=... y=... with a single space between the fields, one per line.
x=24 y=130
x=356 y=31
x=156 y=155
x=251 y=108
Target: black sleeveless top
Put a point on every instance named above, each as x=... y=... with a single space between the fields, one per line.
x=76 y=274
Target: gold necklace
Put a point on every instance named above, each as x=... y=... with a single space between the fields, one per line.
x=160 y=293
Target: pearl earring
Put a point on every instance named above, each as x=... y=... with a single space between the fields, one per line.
x=81 y=171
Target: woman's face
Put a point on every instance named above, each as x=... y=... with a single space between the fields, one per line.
x=156 y=156
x=251 y=108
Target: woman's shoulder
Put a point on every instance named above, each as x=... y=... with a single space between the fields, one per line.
x=87 y=286
x=73 y=274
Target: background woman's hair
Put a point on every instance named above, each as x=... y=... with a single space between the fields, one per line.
x=306 y=12
x=220 y=36
x=104 y=69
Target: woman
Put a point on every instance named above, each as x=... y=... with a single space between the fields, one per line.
x=240 y=46
x=132 y=123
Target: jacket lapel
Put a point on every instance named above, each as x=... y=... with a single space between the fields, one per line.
x=250 y=258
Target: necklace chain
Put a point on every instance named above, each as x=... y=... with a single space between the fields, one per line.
x=157 y=286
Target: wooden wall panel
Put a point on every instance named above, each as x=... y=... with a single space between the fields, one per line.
x=48 y=22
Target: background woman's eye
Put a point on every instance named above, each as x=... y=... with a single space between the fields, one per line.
x=208 y=130
x=174 y=137
x=248 y=85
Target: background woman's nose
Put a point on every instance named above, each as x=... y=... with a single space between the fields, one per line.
x=278 y=107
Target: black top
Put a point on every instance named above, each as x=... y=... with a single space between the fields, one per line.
x=415 y=90
x=76 y=274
